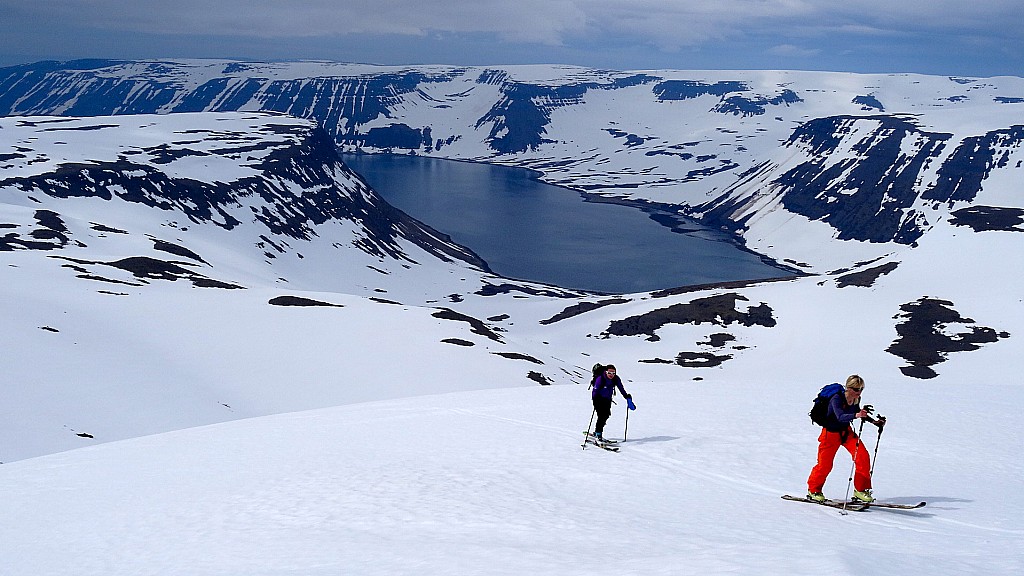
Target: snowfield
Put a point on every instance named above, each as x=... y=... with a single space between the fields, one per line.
x=225 y=355
x=495 y=482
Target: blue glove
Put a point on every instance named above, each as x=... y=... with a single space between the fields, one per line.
x=629 y=403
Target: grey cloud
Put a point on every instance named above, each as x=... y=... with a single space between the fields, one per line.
x=849 y=34
x=533 y=20
x=682 y=22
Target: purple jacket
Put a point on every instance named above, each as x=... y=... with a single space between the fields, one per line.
x=605 y=388
x=840 y=414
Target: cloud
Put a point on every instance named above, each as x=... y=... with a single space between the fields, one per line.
x=543 y=21
x=791 y=51
x=743 y=33
x=663 y=22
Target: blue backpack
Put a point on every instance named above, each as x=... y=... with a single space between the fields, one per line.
x=819 y=411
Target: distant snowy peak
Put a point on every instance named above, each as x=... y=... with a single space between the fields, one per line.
x=274 y=180
x=876 y=158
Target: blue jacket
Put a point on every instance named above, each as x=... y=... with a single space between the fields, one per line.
x=605 y=388
x=840 y=414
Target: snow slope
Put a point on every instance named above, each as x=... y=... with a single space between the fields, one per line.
x=495 y=482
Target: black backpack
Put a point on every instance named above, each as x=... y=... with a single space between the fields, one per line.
x=596 y=371
x=819 y=411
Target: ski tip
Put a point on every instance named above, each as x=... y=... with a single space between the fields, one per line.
x=892 y=506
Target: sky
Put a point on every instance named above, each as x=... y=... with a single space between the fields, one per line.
x=945 y=37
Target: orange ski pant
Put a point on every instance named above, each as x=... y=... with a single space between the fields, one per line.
x=828 y=445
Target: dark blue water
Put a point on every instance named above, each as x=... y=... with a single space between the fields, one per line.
x=529 y=230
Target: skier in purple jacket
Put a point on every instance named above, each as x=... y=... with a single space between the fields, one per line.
x=604 y=386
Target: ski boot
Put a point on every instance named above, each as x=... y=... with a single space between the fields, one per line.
x=863 y=496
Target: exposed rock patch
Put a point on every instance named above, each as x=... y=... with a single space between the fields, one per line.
x=538 y=378
x=477 y=326
x=720 y=310
x=299 y=301
x=49 y=233
x=701 y=359
x=146 y=268
x=927 y=336
x=581 y=308
x=496 y=289
x=177 y=250
x=989 y=218
x=866 y=278
x=518 y=356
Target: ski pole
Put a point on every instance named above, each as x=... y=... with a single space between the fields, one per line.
x=587 y=433
x=853 y=466
x=874 y=457
x=629 y=408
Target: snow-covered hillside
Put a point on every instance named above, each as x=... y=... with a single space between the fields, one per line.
x=161 y=272
x=224 y=354
x=726 y=146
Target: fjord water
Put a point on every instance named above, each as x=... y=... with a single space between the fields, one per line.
x=529 y=230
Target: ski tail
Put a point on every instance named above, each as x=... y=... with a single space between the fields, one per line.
x=851 y=506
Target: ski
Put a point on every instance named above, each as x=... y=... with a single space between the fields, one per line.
x=849 y=506
x=604 y=445
x=606 y=440
x=897 y=506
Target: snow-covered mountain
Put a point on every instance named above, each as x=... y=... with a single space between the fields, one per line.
x=269 y=181
x=725 y=145
x=224 y=354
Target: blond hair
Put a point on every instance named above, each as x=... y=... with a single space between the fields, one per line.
x=855 y=381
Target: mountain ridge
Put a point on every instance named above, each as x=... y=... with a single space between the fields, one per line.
x=695 y=139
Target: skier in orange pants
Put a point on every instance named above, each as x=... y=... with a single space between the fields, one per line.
x=843 y=409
